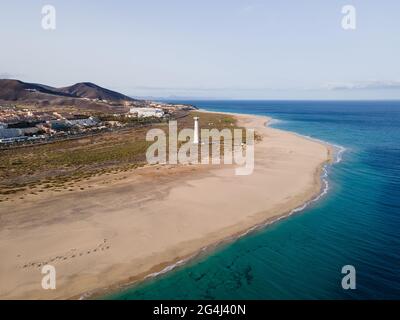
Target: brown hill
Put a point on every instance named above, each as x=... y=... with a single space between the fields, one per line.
x=81 y=95
x=92 y=91
x=14 y=90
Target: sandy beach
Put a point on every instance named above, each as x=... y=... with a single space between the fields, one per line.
x=137 y=223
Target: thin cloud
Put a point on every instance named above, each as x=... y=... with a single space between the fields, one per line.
x=203 y=89
x=366 y=85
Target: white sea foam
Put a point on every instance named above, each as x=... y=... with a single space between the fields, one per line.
x=274 y=121
x=339 y=153
x=338 y=149
x=169 y=267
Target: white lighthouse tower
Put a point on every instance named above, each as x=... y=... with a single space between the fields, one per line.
x=196 y=130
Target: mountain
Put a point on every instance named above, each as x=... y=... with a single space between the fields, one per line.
x=92 y=91
x=83 y=95
x=14 y=90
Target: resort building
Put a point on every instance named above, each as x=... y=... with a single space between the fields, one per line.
x=63 y=124
x=10 y=133
x=88 y=122
x=147 y=112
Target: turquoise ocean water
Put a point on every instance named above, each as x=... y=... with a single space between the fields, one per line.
x=356 y=223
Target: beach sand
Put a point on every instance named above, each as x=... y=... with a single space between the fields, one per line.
x=118 y=232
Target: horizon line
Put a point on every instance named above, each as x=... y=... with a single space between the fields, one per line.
x=257 y=99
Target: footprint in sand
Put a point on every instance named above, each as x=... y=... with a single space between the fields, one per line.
x=102 y=246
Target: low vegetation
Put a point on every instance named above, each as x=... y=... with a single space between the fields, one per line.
x=58 y=166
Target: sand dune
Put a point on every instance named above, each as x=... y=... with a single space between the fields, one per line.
x=117 y=233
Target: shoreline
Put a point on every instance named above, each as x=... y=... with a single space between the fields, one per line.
x=321 y=174
x=103 y=293
x=270 y=120
x=229 y=232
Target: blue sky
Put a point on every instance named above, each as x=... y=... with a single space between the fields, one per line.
x=208 y=49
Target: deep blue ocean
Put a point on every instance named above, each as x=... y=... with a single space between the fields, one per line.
x=356 y=223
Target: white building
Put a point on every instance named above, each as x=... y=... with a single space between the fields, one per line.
x=88 y=122
x=147 y=112
x=11 y=133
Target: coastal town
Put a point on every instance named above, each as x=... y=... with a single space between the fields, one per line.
x=28 y=125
